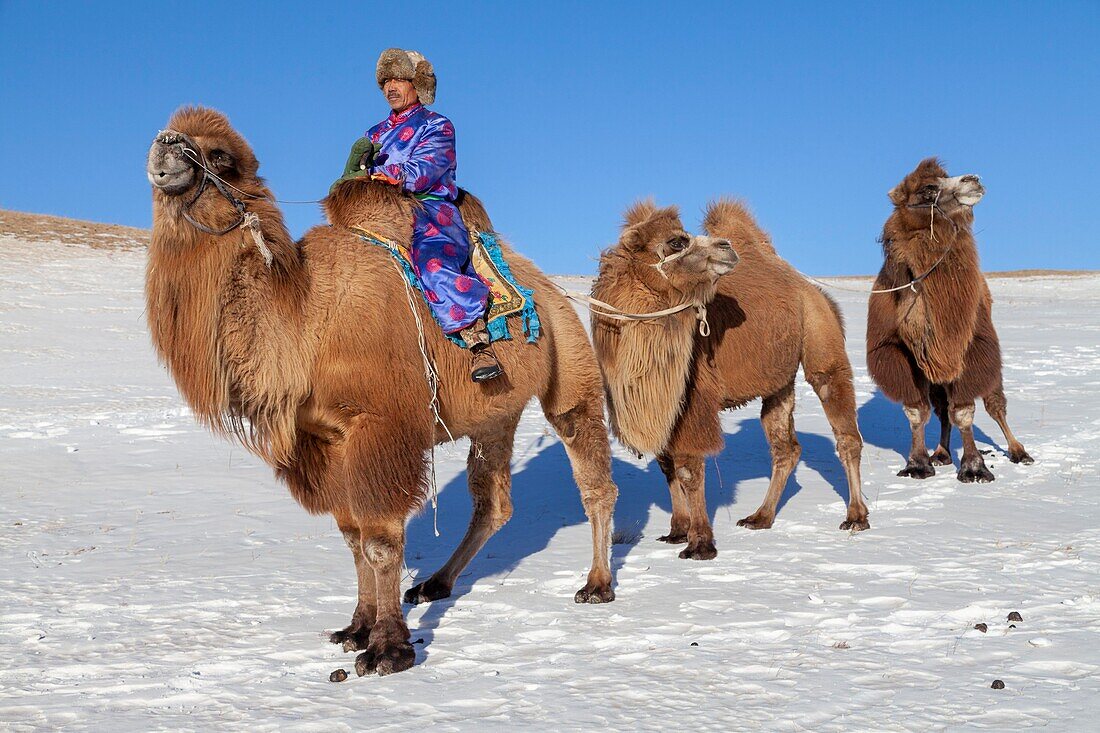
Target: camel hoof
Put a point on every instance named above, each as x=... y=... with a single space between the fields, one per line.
x=426 y=592
x=1020 y=456
x=975 y=474
x=396 y=658
x=353 y=638
x=917 y=470
x=594 y=594
x=855 y=525
x=699 y=551
x=940 y=458
x=673 y=538
x=754 y=522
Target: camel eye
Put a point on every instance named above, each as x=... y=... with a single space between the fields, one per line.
x=222 y=160
x=677 y=243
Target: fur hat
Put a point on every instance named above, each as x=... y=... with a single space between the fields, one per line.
x=397 y=63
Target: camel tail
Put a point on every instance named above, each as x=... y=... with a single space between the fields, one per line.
x=823 y=351
x=834 y=307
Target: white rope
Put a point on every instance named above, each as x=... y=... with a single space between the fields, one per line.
x=660 y=264
x=194 y=156
x=607 y=310
x=433 y=385
x=909 y=285
x=252 y=224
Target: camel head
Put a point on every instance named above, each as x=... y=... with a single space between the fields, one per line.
x=929 y=186
x=668 y=259
x=205 y=134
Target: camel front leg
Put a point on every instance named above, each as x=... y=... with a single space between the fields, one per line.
x=489 y=478
x=997 y=407
x=834 y=389
x=919 y=465
x=355 y=636
x=691 y=477
x=942 y=455
x=972 y=466
x=777 y=418
x=681 y=518
x=388 y=649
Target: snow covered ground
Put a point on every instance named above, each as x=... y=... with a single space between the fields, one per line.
x=155 y=577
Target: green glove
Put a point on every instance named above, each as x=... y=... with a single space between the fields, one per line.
x=359 y=159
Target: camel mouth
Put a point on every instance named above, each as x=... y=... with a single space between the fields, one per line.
x=722 y=268
x=168 y=168
x=724 y=258
x=968 y=190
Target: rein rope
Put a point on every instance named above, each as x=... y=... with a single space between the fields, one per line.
x=431 y=374
x=912 y=284
x=606 y=310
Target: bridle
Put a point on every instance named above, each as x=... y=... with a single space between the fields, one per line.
x=606 y=310
x=245 y=219
x=194 y=152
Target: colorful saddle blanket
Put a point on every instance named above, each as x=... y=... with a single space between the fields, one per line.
x=506 y=296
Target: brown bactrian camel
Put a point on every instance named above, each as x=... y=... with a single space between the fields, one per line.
x=312 y=360
x=935 y=340
x=666 y=382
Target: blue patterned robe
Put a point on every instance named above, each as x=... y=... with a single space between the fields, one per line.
x=418 y=153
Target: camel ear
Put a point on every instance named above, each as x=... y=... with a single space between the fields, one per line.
x=634 y=238
x=897 y=194
x=639 y=212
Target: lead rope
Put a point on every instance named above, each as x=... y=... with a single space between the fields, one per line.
x=912 y=284
x=433 y=385
x=600 y=308
x=606 y=310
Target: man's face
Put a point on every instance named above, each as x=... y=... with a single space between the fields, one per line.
x=399 y=93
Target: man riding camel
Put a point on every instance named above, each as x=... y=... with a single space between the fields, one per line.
x=415 y=148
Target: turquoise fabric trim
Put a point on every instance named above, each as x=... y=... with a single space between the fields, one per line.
x=498 y=327
x=531 y=324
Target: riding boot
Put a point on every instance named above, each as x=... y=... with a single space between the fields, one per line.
x=485 y=365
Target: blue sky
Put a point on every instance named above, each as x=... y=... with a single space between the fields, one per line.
x=567 y=112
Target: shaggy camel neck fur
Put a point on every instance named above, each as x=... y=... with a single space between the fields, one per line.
x=666 y=384
x=935 y=343
x=313 y=362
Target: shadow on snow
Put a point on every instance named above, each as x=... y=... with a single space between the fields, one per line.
x=883 y=424
x=545 y=499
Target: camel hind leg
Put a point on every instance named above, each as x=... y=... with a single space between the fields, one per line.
x=573 y=403
x=777 y=418
x=489 y=478
x=827 y=369
x=996 y=405
x=584 y=434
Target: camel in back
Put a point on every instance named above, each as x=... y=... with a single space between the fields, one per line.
x=668 y=379
x=930 y=336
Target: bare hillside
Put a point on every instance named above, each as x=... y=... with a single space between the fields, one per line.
x=46 y=228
